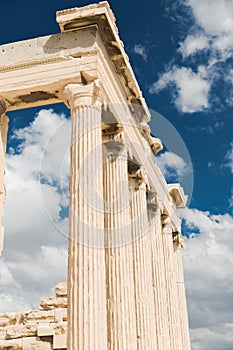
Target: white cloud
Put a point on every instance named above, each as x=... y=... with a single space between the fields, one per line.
x=13 y=303
x=229 y=80
x=231 y=199
x=208 y=260
x=229 y=165
x=213 y=338
x=172 y=166
x=212 y=29
x=35 y=247
x=6 y=277
x=193 y=44
x=48 y=134
x=214 y=16
x=229 y=158
x=47 y=266
x=192 y=89
x=24 y=280
x=140 y=50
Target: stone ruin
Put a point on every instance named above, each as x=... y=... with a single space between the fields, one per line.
x=125 y=274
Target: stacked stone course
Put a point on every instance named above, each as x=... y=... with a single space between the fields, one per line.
x=42 y=329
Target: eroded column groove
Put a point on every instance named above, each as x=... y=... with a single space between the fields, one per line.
x=158 y=274
x=119 y=253
x=178 y=246
x=87 y=325
x=142 y=261
x=3 y=140
x=171 y=285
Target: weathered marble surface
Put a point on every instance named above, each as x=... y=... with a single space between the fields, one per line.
x=125 y=283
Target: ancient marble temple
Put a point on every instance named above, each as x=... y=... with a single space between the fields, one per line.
x=125 y=288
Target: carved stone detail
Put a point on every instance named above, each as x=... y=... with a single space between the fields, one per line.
x=154 y=142
x=79 y=96
x=178 y=240
x=138 y=176
x=114 y=143
x=153 y=205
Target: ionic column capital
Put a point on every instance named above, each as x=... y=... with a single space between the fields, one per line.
x=178 y=240
x=112 y=131
x=166 y=224
x=154 y=142
x=137 y=176
x=2 y=107
x=78 y=95
x=4 y=120
x=3 y=117
x=154 y=206
x=114 y=142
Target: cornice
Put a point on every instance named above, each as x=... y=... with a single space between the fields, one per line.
x=29 y=64
x=102 y=16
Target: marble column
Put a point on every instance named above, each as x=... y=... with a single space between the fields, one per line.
x=119 y=252
x=178 y=245
x=3 y=140
x=171 y=286
x=87 y=323
x=158 y=274
x=142 y=260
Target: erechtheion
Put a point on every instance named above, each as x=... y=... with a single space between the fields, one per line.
x=125 y=276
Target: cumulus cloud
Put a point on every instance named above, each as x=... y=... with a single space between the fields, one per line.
x=211 y=34
x=229 y=158
x=208 y=260
x=172 y=166
x=13 y=303
x=231 y=199
x=193 y=44
x=140 y=50
x=229 y=165
x=191 y=89
x=213 y=338
x=37 y=177
x=23 y=281
x=215 y=18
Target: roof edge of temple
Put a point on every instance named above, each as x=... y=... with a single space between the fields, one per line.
x=178 y=195
x=100 y=14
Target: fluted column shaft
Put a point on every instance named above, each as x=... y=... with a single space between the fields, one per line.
x=159 y=278
x=119 y=255
x=172 y=292
x=142 y=259
x=3 y=140
x=181 y=292
x=87 y=325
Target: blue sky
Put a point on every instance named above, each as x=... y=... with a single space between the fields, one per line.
x=182 y=55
